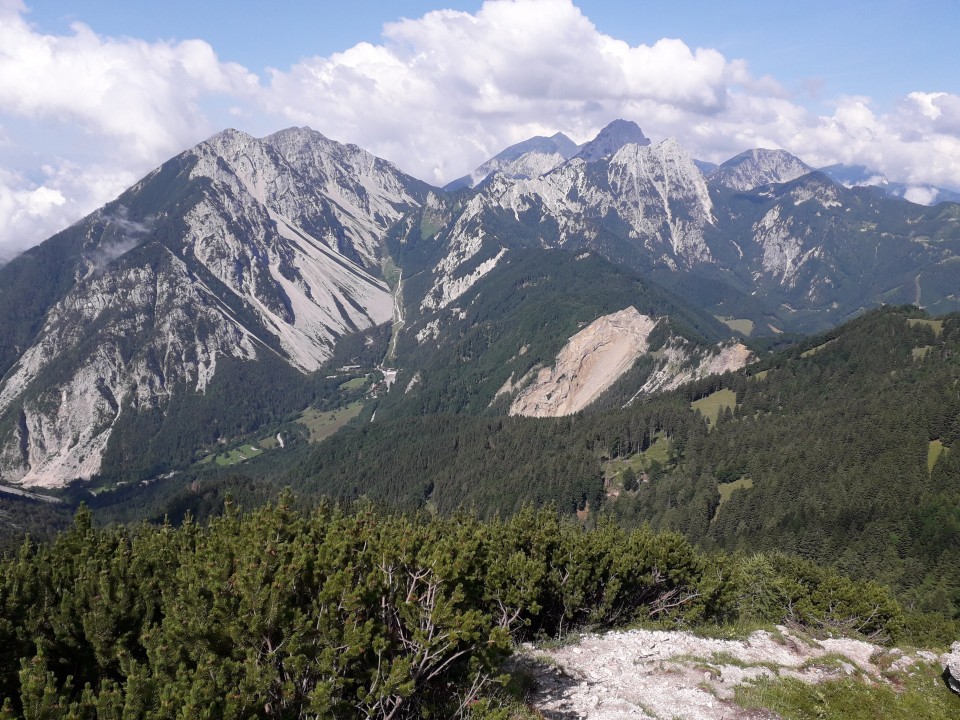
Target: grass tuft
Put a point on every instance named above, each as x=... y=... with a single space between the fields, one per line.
x=923 y=696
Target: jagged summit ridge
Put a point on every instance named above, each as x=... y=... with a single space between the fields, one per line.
x=526 y=159
x=244 y=248
x=539 y=155
x=653 y=192
x=347 y=193
x=758 y=167
x=613 y=137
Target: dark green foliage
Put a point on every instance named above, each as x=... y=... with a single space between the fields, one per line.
x=491 y=465
x=282 y=614
x=243 y=397
x=835 y=444
x=23 y=516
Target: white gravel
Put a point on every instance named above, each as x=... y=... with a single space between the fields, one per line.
x=669 y=675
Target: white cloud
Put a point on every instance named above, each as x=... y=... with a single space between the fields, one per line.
x=445 y=91
x=126 y=104
x=437 y=96
x=921 y=195
x=141 y=94
x=30 y=211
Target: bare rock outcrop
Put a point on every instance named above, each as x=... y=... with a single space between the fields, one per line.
x=951 y=668
x=651 y=674
x=597 y=356
x=587 y=365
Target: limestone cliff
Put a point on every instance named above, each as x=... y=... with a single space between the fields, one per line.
x=587 y=365
x=597 y=356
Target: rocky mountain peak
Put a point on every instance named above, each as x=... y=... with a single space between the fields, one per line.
x=613 y=137
x=758 y=167
x=527 y=159
x=228 y=137
x=238 y=250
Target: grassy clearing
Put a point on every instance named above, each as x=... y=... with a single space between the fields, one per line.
x=933 y=453
x=322 y=425
x=712 y=405
x=744 y=326
x=920 y=353
x=923 y=696
x=236 y=456
x=937 y=325
x=761 y=375
x=659 y=451
x=813 y=351
x=353 y=384
x=241 y=453
x=391 y=273
x=726 y=490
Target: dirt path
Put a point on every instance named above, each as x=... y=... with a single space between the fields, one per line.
x=659 y=675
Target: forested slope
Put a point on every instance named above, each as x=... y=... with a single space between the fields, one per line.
x=849 y=443
x=843 y=449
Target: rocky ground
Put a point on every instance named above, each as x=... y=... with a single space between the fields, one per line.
x=667 y=675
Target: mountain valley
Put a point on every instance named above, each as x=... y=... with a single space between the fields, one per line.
x=594 y=385
x=241 y=282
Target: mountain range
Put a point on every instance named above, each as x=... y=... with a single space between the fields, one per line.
x=218 y=294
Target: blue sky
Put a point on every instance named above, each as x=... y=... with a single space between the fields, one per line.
x=94 y=93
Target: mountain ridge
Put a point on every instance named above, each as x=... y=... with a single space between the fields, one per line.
x=264 y=253
x=232 y=276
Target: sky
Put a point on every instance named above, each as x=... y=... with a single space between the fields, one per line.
x=95 y=93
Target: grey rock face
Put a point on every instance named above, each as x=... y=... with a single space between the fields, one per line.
x=527 y=159
x=238 y=248
x=758 y=167
x=951 y=668
x=613 y=137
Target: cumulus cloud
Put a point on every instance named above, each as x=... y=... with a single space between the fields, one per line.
x=437 y=95
x=126 y=104
x=452 y=88
x=144 y=95
x=444 y=92
x=921 y=195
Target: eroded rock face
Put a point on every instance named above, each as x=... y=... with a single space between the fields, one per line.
x=597 y=356
x=588 y=364
x=235 y=248
x=951 y=668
